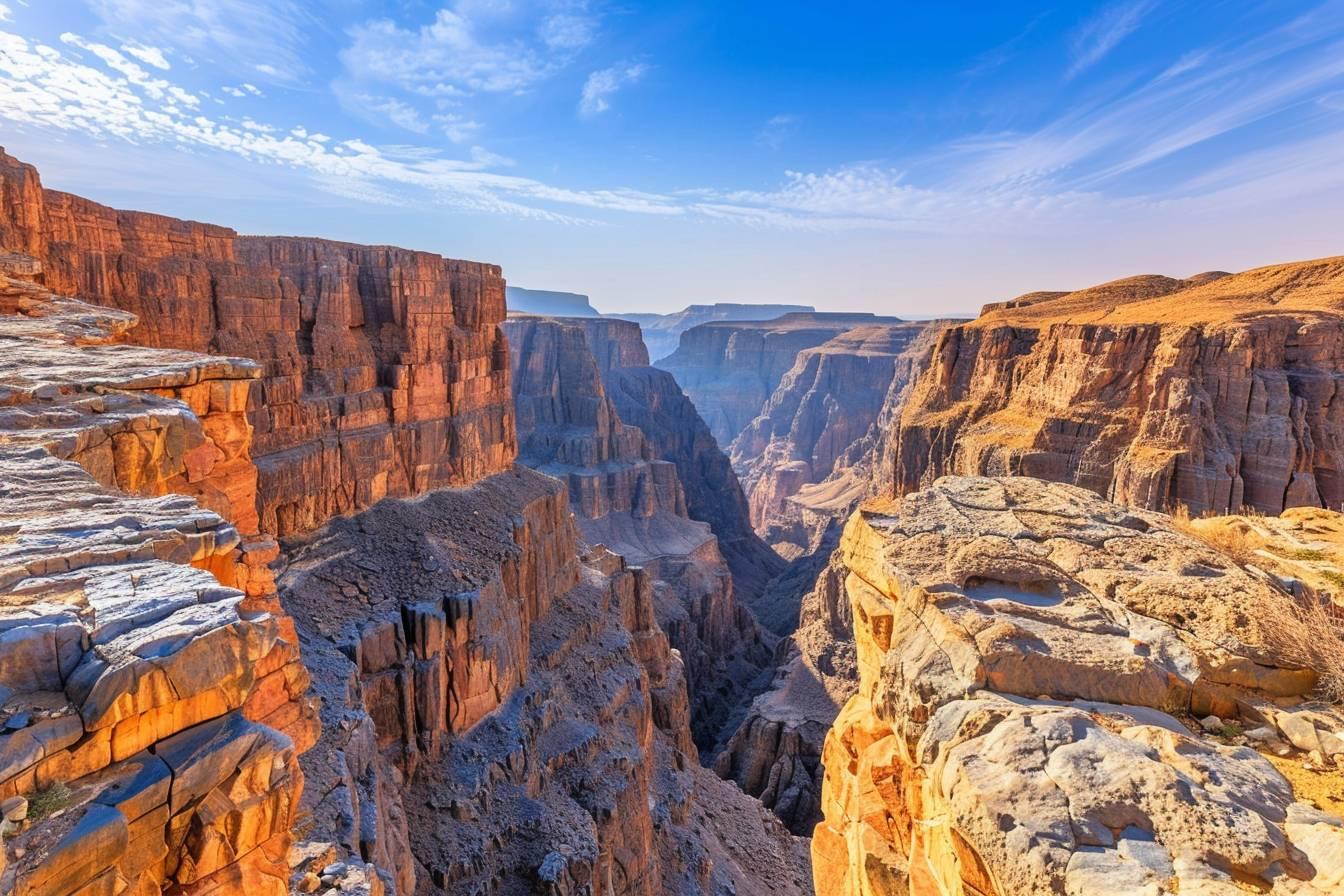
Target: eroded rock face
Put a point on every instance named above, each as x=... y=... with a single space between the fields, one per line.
x=1215 y=393
x=152 y=699
x=632 y=503
x=1032 y=662
x=383 y=371
x=730 y=369
x=503 y=716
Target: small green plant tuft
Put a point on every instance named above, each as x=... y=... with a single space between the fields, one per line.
x=53 y=799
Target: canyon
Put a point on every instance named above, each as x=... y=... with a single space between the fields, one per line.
x=327 y=570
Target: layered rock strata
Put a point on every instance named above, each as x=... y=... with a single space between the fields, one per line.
x=504 y=716
x=1216 y=393
x=662 y=332
x=1060 y=695
x=730 y=369
x=627 y=500
x=152 y=700
x=383 y=371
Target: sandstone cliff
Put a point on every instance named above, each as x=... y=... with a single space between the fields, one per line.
x=1215 y=393
x=663 y=331
x=153 y=702
x=1059 y=695
x=730 y=369
x=651 y=400
x=383 y=371
x=632 y=503
x=548 y=301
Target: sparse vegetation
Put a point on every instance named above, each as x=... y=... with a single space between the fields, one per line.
x=1311 y=555
x=1236 y=539
x=53 y=799
x=1308 y=633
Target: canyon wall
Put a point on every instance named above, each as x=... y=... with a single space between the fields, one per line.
x=730 y=369
x=152 y=697
x=383 y=371
x=1061 y=695
x=662 y=332
x=651 y=400
x=629 y=501
x=1214 y=393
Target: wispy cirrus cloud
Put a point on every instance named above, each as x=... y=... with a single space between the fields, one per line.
x=777 y=129
x=1102 y=33
x=602 y=85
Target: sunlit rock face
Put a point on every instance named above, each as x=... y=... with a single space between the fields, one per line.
x=383 y=372
x=152 y=697
x=1033 y=663
x=1213 y=393
x=662 y=332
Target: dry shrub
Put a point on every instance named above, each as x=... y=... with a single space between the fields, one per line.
x=1234 y=538
x=1308 y=633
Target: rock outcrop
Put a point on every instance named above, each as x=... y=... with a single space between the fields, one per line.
x=383 y=371
x=1214 y=393
x=631 y=502
x=730 y=369
x=548 y=302
x=152 y=703
x=663 y=331
x=1060 y=695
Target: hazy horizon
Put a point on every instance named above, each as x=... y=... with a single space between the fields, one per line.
x=912 y=162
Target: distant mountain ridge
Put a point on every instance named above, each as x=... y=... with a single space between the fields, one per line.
x=662 y=332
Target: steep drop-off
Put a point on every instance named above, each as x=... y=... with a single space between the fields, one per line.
x=663 y=331
x=730 y=369
x=1214 y=393
x=383 y=371
x=1060 y=695
x=633 y=503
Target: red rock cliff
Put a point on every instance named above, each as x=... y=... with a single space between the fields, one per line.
x=384 y=371
x=1219 y=392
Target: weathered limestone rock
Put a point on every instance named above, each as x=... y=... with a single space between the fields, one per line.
x=633 y=504
x=1215 y=393
x=383 y=371
x=729 y=369
x=1033 y=661
x=138 y=635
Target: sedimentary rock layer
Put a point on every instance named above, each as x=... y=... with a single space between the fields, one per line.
x=383 y=371
x=634 y=504
x=503 y=716
x=1060 y=695
x=152 y=700
x=730 y=369
x=1215 y=393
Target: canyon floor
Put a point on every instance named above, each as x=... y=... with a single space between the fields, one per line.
x=325 y=569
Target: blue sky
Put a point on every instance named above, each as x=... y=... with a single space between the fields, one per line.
x=915 y=158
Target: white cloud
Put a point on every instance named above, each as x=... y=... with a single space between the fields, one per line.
x=156 y=88
x=457 y=128
x=148 y=55
x=601 y=85
x=235 y=34
x=233 y=91
x=43 y=87
x=470 y=47
x=5 y=14
x=1102 y=33
x=253 y=89
x=267 y=69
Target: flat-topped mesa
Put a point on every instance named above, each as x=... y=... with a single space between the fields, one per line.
x=151 y=694
x=1215 y=393
x=384 y=371
x=1061 y=695
x=662 y=331
x=631 y=502
x=730 y=368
